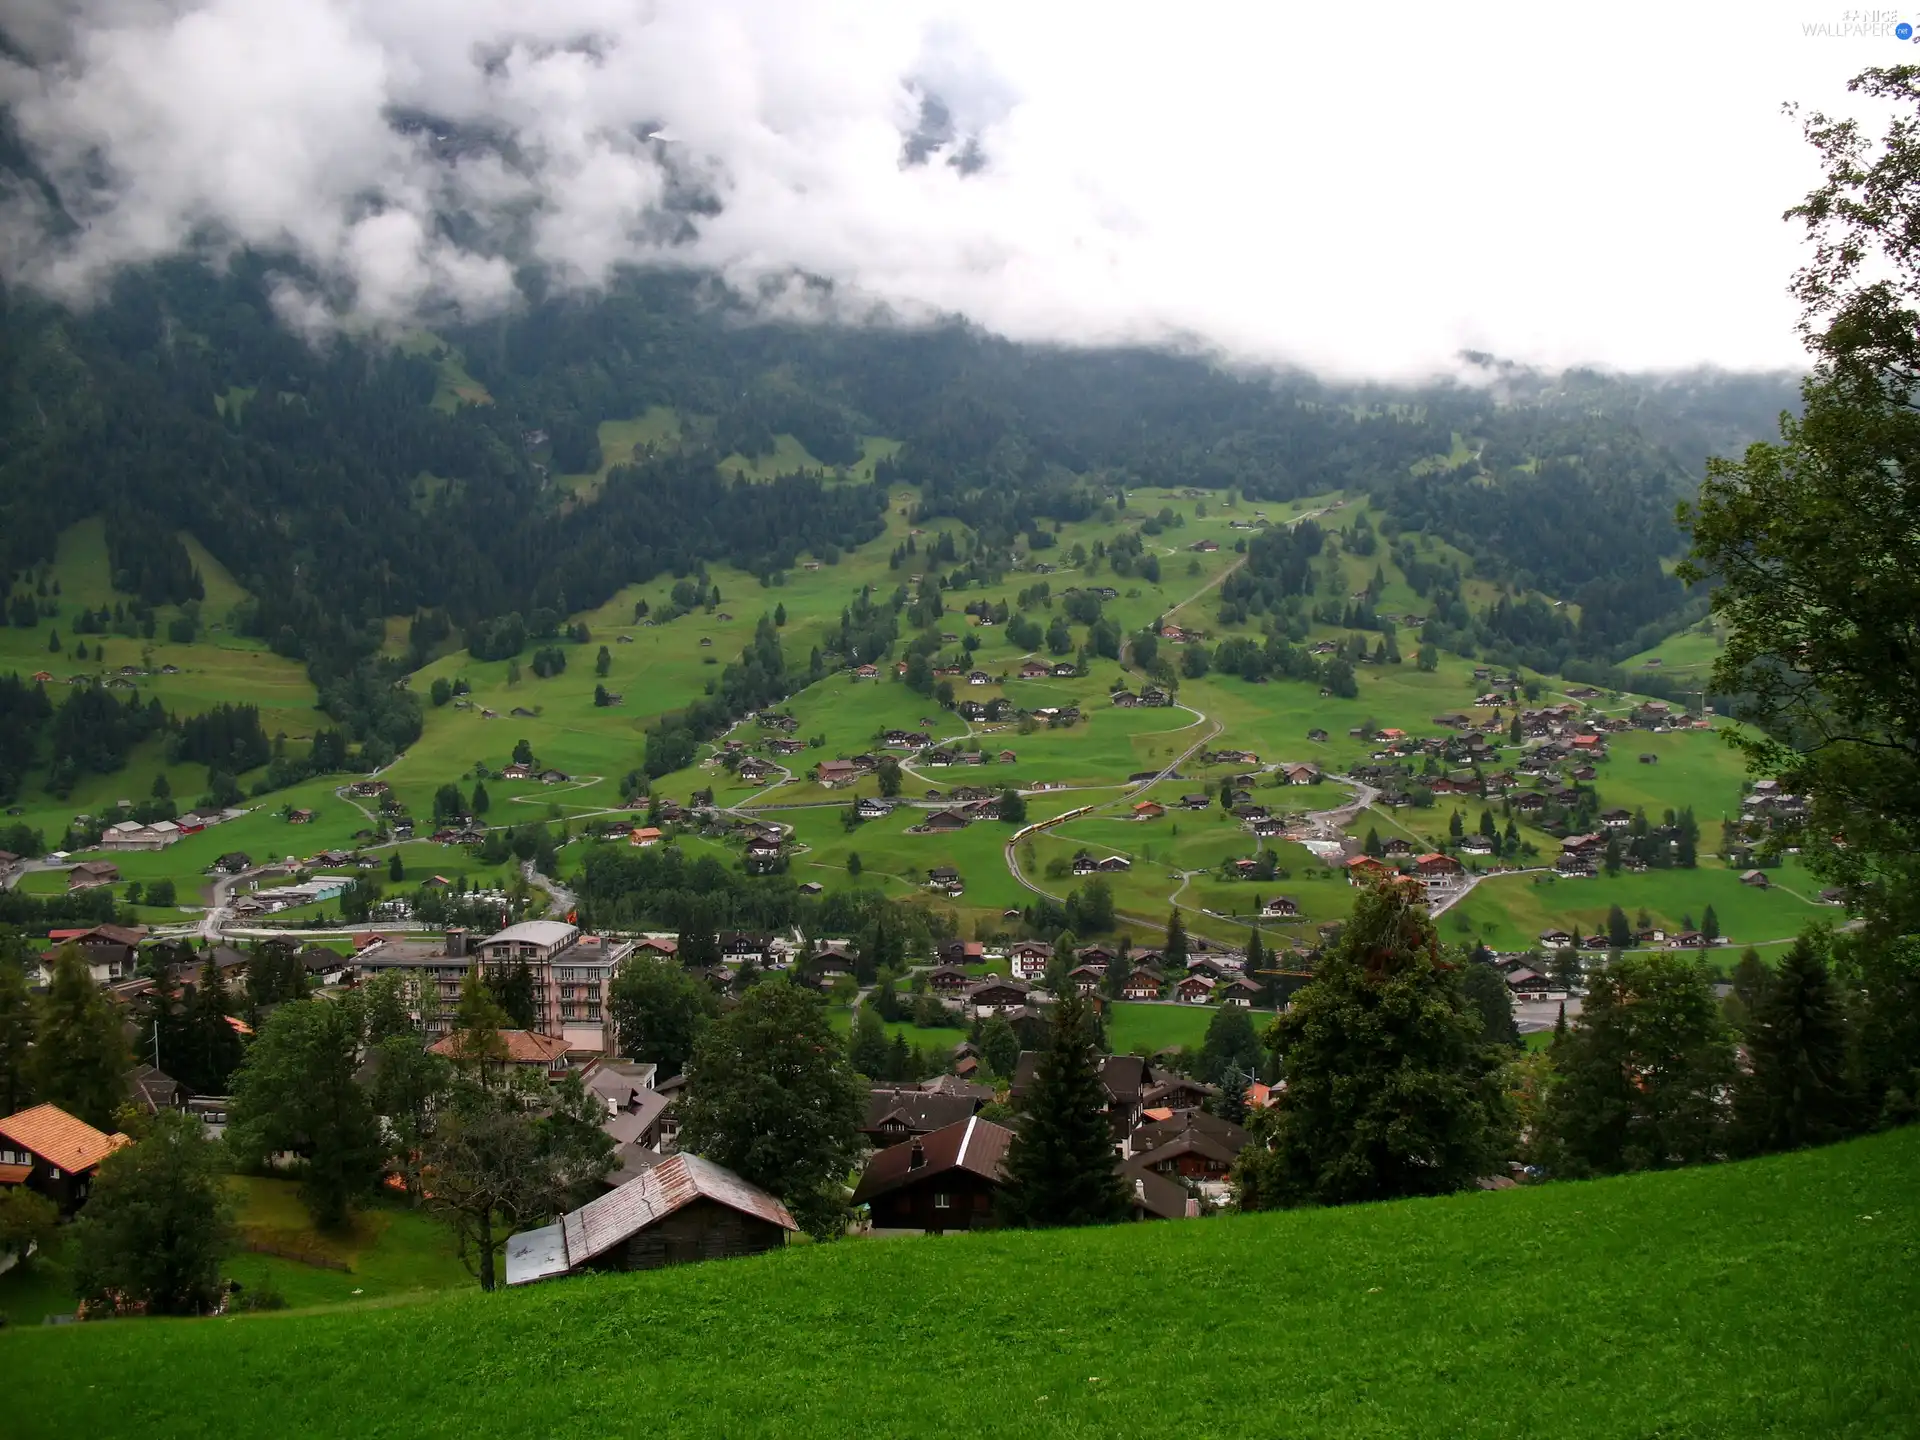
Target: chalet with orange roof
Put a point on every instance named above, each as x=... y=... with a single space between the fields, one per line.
x=1364 y=870
x=48 y=1150
x=542 y=1054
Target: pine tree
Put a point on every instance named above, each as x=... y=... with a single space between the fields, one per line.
x=1709 y=925
x=16 y=1038
x=1256 y=963
x=1796 y=1090
x=867 y=1047
x=1619 y=932
x=212 y=1048
x=396 y=868
x=1060 y=1167
x=1390 y=1089
x=477 y=1023
x=1642 y=1072
x=482 y=802
x=1372 y=845
x=1174 y=955
x=80 y=1057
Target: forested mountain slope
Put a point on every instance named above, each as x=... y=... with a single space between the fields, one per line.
x=327 y=479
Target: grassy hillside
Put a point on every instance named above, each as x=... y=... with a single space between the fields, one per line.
x=1774 y=1298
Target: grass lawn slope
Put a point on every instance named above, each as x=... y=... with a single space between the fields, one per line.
x=1774 y=1298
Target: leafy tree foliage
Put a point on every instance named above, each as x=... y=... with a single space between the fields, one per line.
x=296 y=1092
x=659 y=1011
x=511 y=1154
x=1641 y=1072
x=773 y=1099
x=1390 y=1090
x=157 y=1225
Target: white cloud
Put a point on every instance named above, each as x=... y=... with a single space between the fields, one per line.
x=1364 y=190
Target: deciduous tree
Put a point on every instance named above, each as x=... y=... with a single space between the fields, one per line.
x=1641 y=1072
x=157 y=1225
x=1390 y=1090
x=296 y=1092
x=658 y=1011
x=773 y=1099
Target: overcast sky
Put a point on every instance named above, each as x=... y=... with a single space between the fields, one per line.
x=1363 y=189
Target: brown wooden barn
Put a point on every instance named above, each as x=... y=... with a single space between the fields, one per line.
x=683 y=1209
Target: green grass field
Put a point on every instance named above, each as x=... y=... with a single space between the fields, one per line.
x=1774 y=1298
x=391 y=1251
x=657 y=668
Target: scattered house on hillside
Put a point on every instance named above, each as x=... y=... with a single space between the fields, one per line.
x=835 y=773
x=1243 y=993
x=1300 y=774
x=89 y=873
x=946 y=879
x=944 y=822
x=1280 y=907
x=1754 y=878
x=1142 y=984
x=682 y=1210
x=1365 y=870
x=1148 y=810
x=942 y=1181
x=300 y=817
x=871 y=809
x=49 y=1151
x=1195 y=989
x=994 y=996
x=948 y=980
x=1035 y=670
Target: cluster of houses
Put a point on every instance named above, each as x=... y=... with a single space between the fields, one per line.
x=940 y=1166
x=1209 y=977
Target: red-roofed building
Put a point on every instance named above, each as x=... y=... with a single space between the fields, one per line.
x=48 y=1150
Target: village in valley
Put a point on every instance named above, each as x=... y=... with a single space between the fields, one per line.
x=1147 y=830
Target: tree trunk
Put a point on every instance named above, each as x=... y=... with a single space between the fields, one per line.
x=486 y=1248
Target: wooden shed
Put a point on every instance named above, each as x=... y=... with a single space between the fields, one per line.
x=683 y=1209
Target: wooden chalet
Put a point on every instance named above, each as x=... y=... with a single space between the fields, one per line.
x=942 y=1181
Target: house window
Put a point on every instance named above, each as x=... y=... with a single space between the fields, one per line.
x=942 y=1200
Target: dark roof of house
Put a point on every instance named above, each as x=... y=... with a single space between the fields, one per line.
x=1162 y=1132
x=954 y=1085
x=1189 y=1142
x=920 y=1110
x=1123 y=1075
x=974 y=1145
x=1174 y=1086
x=1155 y=1195
x=152 y=1089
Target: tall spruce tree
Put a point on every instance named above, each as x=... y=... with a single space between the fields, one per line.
x=1390 y=1089
x=210 y=1048
x=1642 y=1072
x=16 y=1038
x=1176 y=951
x=1060 y=1167
x=1796 y=1089
x=80 y=1057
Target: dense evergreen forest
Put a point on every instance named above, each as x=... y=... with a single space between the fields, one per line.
x=329 y=483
